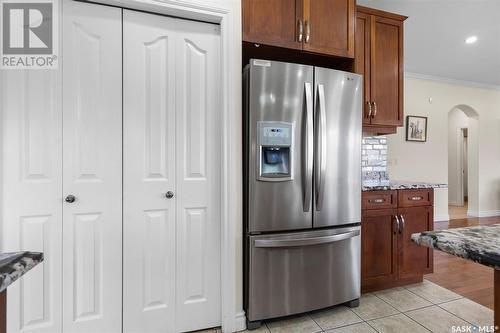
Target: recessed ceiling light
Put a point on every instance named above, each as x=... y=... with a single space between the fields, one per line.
x=471 y=40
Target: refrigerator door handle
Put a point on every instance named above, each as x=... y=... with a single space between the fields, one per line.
x=266 y=243
x=320 y=169
x=309 y=147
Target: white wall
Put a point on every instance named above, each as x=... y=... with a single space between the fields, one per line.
x=457 y=120
x=429 y=161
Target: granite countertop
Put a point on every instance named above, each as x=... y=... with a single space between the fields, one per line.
x=16 y=264
x=480 y=244
x=384 y=185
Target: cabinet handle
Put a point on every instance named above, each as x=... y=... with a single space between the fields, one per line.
x=369 y=109
x=402 y=223
x=308 y=30
x=396 y=224
x=376 y=201
x=416 y=198
x=374 y=109
x=70 y=198
x=301 y=30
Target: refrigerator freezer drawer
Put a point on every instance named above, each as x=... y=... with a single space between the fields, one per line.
x=298 y=272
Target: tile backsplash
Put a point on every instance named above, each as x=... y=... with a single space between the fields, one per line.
x=374 y=159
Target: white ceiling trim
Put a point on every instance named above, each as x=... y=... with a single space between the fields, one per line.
x=411 y=75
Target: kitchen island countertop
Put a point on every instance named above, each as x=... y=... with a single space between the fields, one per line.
x=480 y=244
x=15 y=264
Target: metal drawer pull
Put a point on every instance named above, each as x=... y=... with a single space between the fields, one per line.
x=397 y=225
x=301 y=30
x=375 y=109
x=402 y=223
x=370 y=110
x=305 y=241
x=308 y=30
x=376 y=201
x=416 y=198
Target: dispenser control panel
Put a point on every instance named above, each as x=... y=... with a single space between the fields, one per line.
x=275 y=134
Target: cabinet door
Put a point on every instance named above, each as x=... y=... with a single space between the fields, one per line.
x=414 y=260
x=362 y=59
x=92 y=164
x=387 y=71
x=273 y=22
x=378 y=248
x=330 y=27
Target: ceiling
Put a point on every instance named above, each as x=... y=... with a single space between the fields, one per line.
x=435 y=34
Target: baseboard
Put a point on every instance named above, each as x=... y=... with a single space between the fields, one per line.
x=240 y=322
x=440 y=218
x=485 y=213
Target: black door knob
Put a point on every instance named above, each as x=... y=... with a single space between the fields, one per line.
x=70 y=198
x=169 y=195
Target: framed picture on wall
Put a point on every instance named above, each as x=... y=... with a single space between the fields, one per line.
x=416 y=128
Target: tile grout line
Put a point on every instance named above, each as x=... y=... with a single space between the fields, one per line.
x=456 y=315
x=425 y=328
x=428 y=300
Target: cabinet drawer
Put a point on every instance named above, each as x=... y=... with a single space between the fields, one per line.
x=379 y=200
x=415 y=198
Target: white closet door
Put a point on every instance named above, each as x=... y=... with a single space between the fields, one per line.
x=198 y=160
x=149 y=172
x=172 y=142
x=92 y=168
x=31 y=196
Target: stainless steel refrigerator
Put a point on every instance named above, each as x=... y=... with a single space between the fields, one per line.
x=302 y=188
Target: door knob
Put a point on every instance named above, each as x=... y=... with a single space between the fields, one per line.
x=70 y=198
x=169 y=195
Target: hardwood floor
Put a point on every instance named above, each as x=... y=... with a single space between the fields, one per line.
x=458 y=212
x=464 y=277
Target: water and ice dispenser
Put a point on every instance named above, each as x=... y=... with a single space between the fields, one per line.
x=275 y=144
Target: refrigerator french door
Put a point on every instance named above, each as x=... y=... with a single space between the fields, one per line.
x=302 y=174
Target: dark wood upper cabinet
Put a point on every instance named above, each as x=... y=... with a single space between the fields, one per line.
x=362 y=59
x=273 y=22
x=317 y=26
x=379 y=57
x=329 y=27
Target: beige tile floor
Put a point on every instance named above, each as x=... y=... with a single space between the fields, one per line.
x=423 y=307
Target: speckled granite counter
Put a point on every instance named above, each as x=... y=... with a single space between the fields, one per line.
x=479 y=243
x=384 y=185
x=16 y=264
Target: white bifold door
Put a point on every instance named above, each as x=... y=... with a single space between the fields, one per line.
x=107 y=165
x=62 y=140
x=172 y=175
x=92 y=168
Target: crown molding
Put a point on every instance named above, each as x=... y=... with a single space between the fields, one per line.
x=441 y=79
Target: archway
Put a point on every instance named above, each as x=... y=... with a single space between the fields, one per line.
x=463 y=161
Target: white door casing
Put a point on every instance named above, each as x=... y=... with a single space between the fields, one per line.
x=92 y=168
x=172 y=142
x=32 y=203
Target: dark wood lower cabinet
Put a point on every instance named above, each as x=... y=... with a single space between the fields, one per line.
x=389 y=258
x=3 y=311
x=414 y=260
x=378 y=248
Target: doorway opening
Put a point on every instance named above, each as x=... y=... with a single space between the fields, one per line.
x=462 y=164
